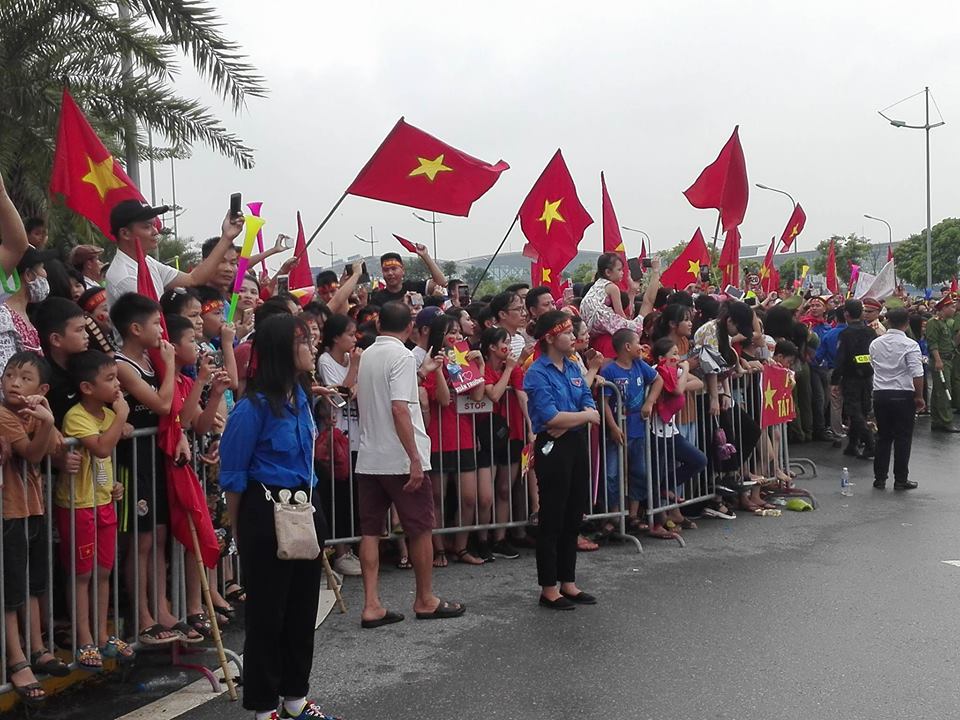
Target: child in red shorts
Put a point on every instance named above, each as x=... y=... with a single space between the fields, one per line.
x=85 y=512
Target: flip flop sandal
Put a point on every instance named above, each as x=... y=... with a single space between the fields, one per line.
x=445 y=610
x=117 y=648
x=439 y=559
x=585 y=545
x=404 y=563
x=183 y=632
x=54 y=667
x=688 y=524
x=462 y=555
x=237 y=594
x=201 y=623
x=659 y=533
x=389 y=618
x=152 y=635
x=31 y=694
x=89 y=658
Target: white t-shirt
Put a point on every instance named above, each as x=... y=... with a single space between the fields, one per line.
x=121 y=276
x=333 y=373
x=419 y=355
x=388 y=372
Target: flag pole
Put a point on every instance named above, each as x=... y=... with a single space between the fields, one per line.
x=494 y=256
x=716 y=233
x=319 y=228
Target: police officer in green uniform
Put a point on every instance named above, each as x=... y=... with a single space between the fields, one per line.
x=942 y=345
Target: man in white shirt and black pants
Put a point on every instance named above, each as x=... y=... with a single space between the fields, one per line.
x=897 y=397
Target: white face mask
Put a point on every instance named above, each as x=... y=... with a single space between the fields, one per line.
x=38 y=289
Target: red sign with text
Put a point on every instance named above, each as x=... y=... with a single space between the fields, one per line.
x=777 y=396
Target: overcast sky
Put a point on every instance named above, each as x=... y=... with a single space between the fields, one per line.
x=646 y=91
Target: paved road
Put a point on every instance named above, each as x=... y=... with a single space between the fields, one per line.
x=847 y=612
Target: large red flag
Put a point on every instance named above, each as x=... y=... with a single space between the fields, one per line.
x=833 y=284
x=84 y=172
x=552 y=217
x=540 y=275
x=416 y=169
x=301 y=276
x=612 y=240
x=723 y=184
x=769 y=275
x=798 y=218
x=686 y=268
x=730 y=259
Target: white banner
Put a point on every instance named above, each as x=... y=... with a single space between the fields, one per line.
x=883 y=285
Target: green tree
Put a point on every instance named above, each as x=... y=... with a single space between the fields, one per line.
x=790 y=271
x=911 y=254
x=46 y=45
x=449 y=268
x=583 y=273
x=850 y=249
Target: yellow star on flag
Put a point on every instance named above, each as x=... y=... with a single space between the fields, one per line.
x=795 y=231
x=551 y=212
x=430 y=168
x=768 y=395
x=101 y=176
x=693 y=267
x=460 y=357
x=619 y=248
x=545 y=275
x=764 y=271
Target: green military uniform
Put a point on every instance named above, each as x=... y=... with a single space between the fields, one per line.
x=940 y=337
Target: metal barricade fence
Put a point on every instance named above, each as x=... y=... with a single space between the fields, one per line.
x=48 y=612
x=484 y=483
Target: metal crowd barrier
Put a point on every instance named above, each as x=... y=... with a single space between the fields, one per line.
x=57 y=604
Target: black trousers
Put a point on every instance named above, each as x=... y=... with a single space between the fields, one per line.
x=894 y=412
x=563 y=476
x=856 y=406
x=281 y=606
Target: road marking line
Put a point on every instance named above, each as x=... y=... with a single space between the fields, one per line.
x=198 y=692
x=955 y=563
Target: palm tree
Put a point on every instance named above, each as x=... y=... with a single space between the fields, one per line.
x=81 y=44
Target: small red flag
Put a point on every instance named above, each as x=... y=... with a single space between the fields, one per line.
x=777 y=389
x=612 y=240
x=552 y=217
x=833 y=285
x=730 y=259
x=415 y=169
x=769 y=275
x=723 y=184
x=889 y=253
x=540 y=275
x=84 y=172
x=301 y=276
x=798 y=218
x=406 y=244
x=686 y=268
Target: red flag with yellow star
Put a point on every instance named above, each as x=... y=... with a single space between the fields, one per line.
x=730 y=259
x=415 y=169
x=84 y=172
x=769 y=275
x=723 y=184
x=552 y=217
x=794 y=227
x=541 y=275
x=612 y=240
x=777 y=388
x=686 y=268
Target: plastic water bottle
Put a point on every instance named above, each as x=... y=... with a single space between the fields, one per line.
x=845 y=483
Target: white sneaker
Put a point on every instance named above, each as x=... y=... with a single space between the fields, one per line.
x=347 y=564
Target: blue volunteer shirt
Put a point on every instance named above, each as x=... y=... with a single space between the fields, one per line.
x=551 y=391
x=258 y=446
x=633 y=384
x=827 y=351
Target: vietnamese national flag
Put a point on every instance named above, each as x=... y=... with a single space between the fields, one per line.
x=552 y=217
x=729 y=260
x=723 y=184
x=833 y=285
x=543 y=276
x=686 y=268
x=777 y=391
x=612 y=240
x=794 y=227
x=301 y=276
x=769 y=275
x=84 y=172
x=415 y=169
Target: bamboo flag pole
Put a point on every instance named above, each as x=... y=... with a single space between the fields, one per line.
x=494 y=256
x=319 y=228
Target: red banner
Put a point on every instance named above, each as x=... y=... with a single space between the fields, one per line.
x=777 y=394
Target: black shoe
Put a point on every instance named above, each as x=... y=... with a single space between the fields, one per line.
x=561 y=603
x=581 y=598
x=503 y=549
x=880 y=484
x=908 y=485
x=485 y=553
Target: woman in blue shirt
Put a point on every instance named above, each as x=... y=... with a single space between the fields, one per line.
x=266 y=455
x=560 y=408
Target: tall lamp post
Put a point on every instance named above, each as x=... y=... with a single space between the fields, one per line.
x=926 y=127
x=433 y=222
x=889 y=235
x=796 y=241
x=649 y=241
x=371 y=242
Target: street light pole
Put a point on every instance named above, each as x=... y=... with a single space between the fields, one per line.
x=796 y=241
x=926 y=127
x=434 y=222
x=649 y=241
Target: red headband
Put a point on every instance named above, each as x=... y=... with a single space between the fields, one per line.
x=211 y=306
x=91 y=304
x=391 y=263
x=559 y=328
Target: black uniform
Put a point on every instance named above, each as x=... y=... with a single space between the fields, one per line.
x=854 y=374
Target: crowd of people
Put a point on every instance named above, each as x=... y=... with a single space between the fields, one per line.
x=355 y=391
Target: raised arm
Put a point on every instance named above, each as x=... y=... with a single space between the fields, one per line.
x=12 y=233
x=204 y=272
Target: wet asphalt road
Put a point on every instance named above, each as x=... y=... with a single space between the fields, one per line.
x=846 y=612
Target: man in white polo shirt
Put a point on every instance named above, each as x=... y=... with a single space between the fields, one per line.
x=392 y=460
x=132 y=220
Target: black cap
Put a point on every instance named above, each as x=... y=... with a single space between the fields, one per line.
x=33 y=257
x=127 y=212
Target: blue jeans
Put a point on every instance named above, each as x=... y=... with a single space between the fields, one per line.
x=678 y=453
x=636 y=468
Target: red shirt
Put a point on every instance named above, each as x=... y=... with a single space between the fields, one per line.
x=509 y=407
x=457 y=429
